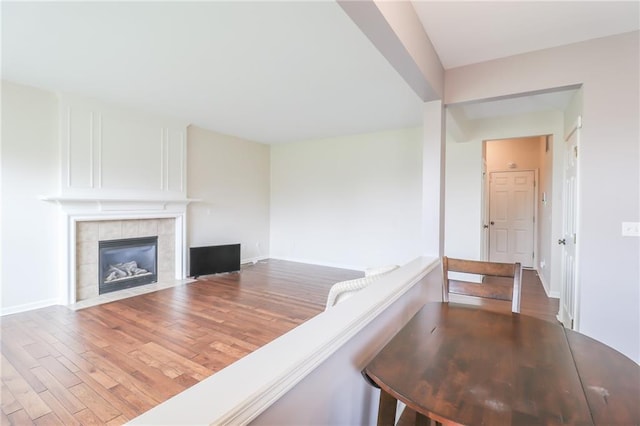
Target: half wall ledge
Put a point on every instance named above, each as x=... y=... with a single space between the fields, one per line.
x=319 y=361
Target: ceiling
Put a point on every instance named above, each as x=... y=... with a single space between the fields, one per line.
x=468 y=32
x=270 y=71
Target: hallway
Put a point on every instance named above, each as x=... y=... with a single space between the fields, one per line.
x=534 y=301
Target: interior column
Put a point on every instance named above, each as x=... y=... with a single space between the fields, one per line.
x=433 y=164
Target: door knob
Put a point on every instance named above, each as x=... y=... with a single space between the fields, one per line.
x=562 y=241
x=492 y=222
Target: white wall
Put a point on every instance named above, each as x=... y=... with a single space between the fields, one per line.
x=463 y=235
x=350 y=201
x=29 y=158
x=231 y=177
x=463 y=202
x=524 y=153
x=609 y=166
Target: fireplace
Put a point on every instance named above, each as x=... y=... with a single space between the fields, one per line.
x=89 y=234
x=126 y=263
x=86 y=221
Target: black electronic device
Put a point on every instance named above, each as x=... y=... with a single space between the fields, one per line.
x=214 y=259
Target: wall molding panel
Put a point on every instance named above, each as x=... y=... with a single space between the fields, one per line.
x=112 y=152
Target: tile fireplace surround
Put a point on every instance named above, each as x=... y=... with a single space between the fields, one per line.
x=89 y=233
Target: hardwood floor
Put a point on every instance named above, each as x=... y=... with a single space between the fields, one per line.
x=534 y=301
x=109 y=363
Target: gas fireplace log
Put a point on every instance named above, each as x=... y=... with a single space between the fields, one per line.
x=123 y=270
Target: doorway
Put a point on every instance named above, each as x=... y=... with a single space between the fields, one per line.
x=472 y=128
x=515 y=180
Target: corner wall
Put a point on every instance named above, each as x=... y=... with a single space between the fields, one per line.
x=231 y=178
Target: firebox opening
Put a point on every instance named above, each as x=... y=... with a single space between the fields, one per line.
x=127 y=263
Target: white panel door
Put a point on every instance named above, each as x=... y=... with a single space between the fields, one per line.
x=568 y=306
x=511 y=216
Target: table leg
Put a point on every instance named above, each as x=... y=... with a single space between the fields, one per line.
x=387 y=409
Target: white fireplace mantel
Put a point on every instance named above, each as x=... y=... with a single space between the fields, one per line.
x=104 y=204
x=75 y=209
x=117 y=164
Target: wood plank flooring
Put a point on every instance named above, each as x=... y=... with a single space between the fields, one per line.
x=107 y=364
x=534 y=301
x=110 y=363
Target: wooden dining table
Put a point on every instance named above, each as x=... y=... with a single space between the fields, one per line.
x=460 y=364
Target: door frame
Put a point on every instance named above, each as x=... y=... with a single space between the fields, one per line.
x=484 y=212
x=486 y=200
x=575 y=129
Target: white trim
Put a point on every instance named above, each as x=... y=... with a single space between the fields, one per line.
x=545 y=286
x=563 y=315
x=536 y=217
x=28 y=306
x=576 y=125
x=125 y=203
x=484 y=214
x=247 y=388
x=98 y=157
x=66 y=139
x=163 y=155
x=91 y=151
x=183 y=170
x=254 y=260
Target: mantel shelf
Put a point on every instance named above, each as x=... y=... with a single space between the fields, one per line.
x=90 y=200
x=107 y=205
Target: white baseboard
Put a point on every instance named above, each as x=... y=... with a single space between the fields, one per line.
x=29 y=306
x=550 y=294
x=253 y=259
